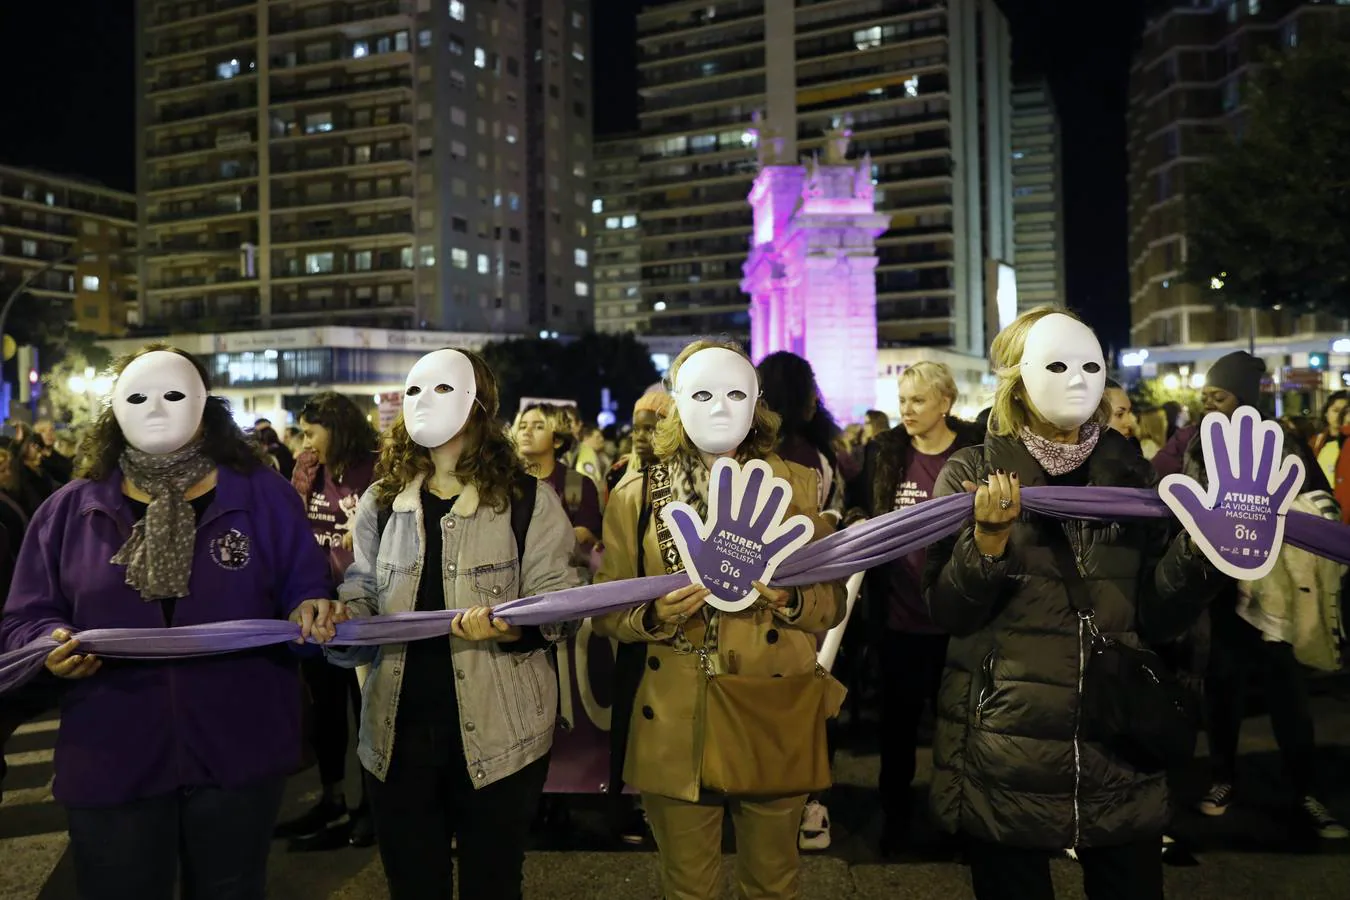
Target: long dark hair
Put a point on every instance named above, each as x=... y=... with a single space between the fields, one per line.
x=351 y=438
x=787 y=380
x=222 y=441
x=488 y=460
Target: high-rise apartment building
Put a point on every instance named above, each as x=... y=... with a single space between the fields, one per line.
x=924 y=87
x=72 y=239
x=618 y=235
x=1186 y=87
x=386 y=163
x=1038 y=197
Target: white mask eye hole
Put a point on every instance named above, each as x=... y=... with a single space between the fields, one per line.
x=443 y=389
x=737 y=395
x=137 y=398
x=1057 y=367
x=1092 y=368
x=174 y=396
x=702 y=396
x=413 y=391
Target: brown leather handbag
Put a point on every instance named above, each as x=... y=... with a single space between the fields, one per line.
x=765 y=736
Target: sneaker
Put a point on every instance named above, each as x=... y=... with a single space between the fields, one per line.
x=1215 y=803
x=363 y=827
x=814 y=833
x=1322 y=821
x=323 y=817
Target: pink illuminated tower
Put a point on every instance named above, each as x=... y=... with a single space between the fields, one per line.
x=811 y=275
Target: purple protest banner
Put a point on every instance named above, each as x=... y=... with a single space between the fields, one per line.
x=1238 y=522
x=579 y=763
x=745 y=538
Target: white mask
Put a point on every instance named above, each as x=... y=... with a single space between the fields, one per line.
x=715 y=392
x=1063 y=371
x=158 y=401
x=438 y=396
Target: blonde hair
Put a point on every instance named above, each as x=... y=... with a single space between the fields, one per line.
x=670 y=439
x=556 y=420
x=1010 y=412
x=932 y=376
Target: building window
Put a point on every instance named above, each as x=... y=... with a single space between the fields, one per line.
x=458 y=151
x=427 y=256
x=360 y=50
x=227 y=70
x=459 y=187
x=459 y=224
x=578 y=21
x=480 y=57
x=580 y=257
x=578 y=52
x=318 y=263
x=582 y=289
x=424 y=110
x=424 y=37
x=361 y=260
x=28 y=248
x=513 y=201
x=401 y=42
x=1232 y=10
x=89 y=282
x=457 y=10
x=597 y=205
x=867 y=38
x=1254 y=7
x=512 y=134
x=458 y=81
x=456 y=46
x=630 y=221
x=1291 y=33
x=579 y=109
x=457 y=116
x=484 y=264
x=1230 y=94
x=512 y=66
x=612 y=222
x=514 y=235
x=459 y=258
x=317 y=123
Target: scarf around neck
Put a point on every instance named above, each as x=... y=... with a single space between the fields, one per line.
x=158 y=555
x=1061 y=459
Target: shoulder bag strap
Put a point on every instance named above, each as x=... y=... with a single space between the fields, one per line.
x=644 y=519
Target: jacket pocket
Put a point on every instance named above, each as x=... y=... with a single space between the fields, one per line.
x=386 y=573
x=986 y=683
x=493 y=584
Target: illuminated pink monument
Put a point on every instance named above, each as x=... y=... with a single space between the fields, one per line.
x=811 y=275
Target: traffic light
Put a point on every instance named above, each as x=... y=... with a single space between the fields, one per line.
x=27 y=373
x=1317 y=361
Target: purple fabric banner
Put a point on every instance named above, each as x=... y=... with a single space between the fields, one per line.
x=872 y=543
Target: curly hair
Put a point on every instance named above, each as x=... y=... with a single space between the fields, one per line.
x=488 y=459
x=222 y=441
x=351 y=437
x=670 y=439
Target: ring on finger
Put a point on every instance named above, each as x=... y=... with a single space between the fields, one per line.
x=1005 y=503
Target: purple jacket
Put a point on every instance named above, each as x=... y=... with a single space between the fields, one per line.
x=1171 y=459
x=137 y=729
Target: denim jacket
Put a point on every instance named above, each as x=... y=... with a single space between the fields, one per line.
x=508 y=701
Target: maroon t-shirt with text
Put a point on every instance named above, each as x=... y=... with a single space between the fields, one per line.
x=905 y=606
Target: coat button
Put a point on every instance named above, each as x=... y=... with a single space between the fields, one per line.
x=450 y=569
x=459 y=673
x=648 y=713
x=496 y=590
x=480 y=774
x=653 y=663
x=468 y=726
x=772 y=636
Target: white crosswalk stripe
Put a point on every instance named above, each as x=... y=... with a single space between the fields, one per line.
x=30 y=840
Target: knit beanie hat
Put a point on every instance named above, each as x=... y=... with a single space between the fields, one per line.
x=1239 y=373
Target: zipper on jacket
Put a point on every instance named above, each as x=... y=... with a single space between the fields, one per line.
x=1077 y=724
x=986 y=689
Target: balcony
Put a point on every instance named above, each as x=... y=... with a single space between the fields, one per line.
x=344 y=269
x=387 y=156
x=222 y=279
x=204 y=211
x=180 y=113
x=196 y=45
x=214 y=245
x=204 y=77
x=357 y=86
x=185 y=180
x=694 y=20
x=201 y=144
x=192 y=13
x=344 y=195
x=343 y=125
x=328 y=232
x=390 y=13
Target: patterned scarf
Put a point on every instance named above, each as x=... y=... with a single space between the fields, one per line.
x=158 y=555
x=684 y=479
x=1060 y=459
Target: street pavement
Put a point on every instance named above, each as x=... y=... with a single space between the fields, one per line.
x=1256 y=851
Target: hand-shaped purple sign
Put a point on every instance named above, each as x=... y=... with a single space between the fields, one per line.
x=1239 y=522
x=745 y=538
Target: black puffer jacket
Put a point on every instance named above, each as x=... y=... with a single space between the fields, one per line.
x=1008 y=764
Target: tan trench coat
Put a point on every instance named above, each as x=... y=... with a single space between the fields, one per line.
x=665 y=741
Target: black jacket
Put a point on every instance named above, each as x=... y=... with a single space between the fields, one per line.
x=1009 y=765
x=873 y=492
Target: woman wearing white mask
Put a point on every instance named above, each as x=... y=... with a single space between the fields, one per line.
x=1014 y=771
x=456 y=730
x=173 y=770
x=718 y=413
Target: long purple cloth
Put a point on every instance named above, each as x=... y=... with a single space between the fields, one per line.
x=872 y=543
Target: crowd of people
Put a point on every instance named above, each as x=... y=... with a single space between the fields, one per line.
x=173 y=771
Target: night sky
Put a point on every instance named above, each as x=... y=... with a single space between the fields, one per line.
x=68 y=77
